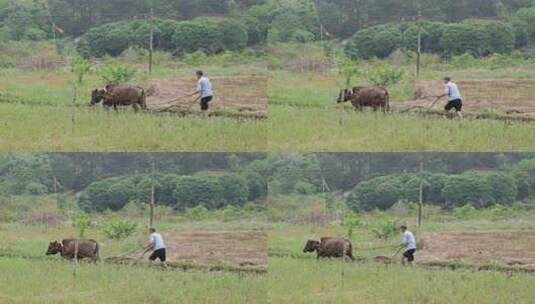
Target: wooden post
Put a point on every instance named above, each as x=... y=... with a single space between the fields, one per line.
x=151 y=46
x=421 y=196
x=419 y=48
x=73 y=110
x=152 y=199
x=75 y=262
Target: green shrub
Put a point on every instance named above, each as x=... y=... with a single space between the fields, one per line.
x=117 y=73
x=502 y=37
x=6 y=61
x=384 y=227
x=349 y=70
x=465 y=212
x=525 y=17
x=351 y=221
x=108 y=39
x=235 y=190
x=480 y=190
x=235 y=34
x=305 y=188
x=478 y=38
x=80 y=67
x=381 y=193
x=35 y=34
x=433 y=185
x=385 y=75
x=197 y=213
x=179 y=192
x=118 y=228
x=257 y=185
x=431 y=37
x=112 y=193
x=377 y=41
x=302 y=36
x=34 y=188
x=82 y=222
x=198 y=35
x=524 y=175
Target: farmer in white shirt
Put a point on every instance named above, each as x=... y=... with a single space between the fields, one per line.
x=455 y=100
x=409 y=242
x=157 y=246
x=204 y=90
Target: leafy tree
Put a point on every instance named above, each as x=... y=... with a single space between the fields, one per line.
x=479 y=190
x=117 y=73
x=385 y=75
x=191 y=36
x=235 y=36
x=108 y=39
x=118 y=228
x=431 y=37
x=378 y=41
x=381 y=193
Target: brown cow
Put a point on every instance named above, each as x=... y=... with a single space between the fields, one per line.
x=330 y=247
x=71 y=248
x=360 y=97
x=120 y=95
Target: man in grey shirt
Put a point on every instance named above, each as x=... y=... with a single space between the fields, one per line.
x=455 y=100
x=204 y=90
x=409 y=243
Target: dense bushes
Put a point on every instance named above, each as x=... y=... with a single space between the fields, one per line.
x=478 y=39
x=477 y=189
x=25 y=174
x=179 y=192
x=377 y=41
x=181 y=37
x=474 y=37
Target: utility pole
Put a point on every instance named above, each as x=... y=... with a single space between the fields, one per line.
x=151 y=46
x=152 y=199
x=321 y=36
x=421 y=194
x=419 y=48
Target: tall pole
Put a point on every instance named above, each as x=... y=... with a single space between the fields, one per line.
x=419 y=49
x=151 y=46
x=421 y=194
x=321 y=36
x=152 y=199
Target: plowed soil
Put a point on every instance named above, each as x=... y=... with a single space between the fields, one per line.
x=222 y=250
x=502 y=248
x=512 y=97
x=244 y=94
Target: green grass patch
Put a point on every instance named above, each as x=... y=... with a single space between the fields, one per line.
x=312 y=129
x=47 y=128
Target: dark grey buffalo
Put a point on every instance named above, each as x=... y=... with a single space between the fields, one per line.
x=330 y=248
x=120 y=95
x=71 y=248
x=361 y=97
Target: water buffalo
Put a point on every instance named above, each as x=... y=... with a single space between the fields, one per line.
x=330 y=247
x=120 y=95
x=360 y=97
x=69 y=249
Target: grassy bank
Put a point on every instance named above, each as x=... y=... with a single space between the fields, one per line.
x=314 y=129
x=46 y=128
